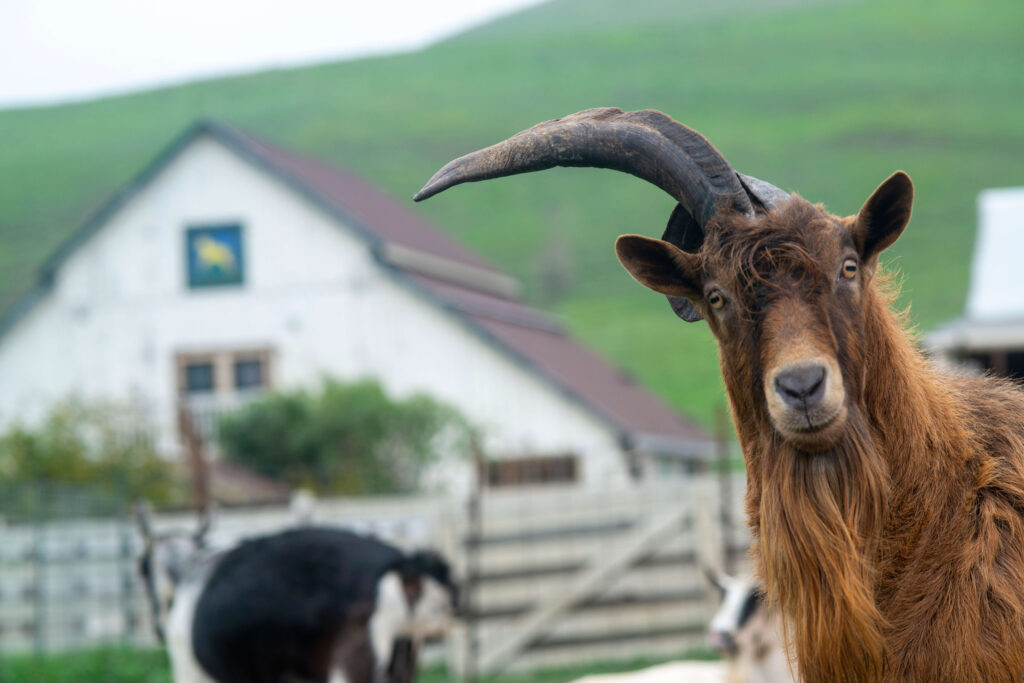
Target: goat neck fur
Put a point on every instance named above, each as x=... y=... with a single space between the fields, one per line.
x=889 y=528
x=817 y=517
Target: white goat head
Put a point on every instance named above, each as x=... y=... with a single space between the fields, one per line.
x=747 y=632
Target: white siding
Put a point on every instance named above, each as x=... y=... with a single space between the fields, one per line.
x=120 y=310
x=997 y=280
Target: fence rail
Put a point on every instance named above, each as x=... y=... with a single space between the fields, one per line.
x=553 y=576
x=561 y=576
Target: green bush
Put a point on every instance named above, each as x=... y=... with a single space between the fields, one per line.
x=102 y=448
x=345 y=439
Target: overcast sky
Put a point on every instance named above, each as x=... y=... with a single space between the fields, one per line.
x=57 y=50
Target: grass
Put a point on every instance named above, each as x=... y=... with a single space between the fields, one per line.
x=824 y=96
x=104 y=665
x=128 y=665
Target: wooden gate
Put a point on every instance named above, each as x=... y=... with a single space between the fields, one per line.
x=559 y=577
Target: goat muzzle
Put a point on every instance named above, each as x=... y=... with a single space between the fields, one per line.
x=802 y=386
x=807 y=403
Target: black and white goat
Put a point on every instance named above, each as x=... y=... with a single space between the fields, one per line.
x=748 y=633
x=306 y=605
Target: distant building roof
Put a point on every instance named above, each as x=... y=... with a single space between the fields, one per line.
x=233 y=484
x=484 y=299
x=994 y=315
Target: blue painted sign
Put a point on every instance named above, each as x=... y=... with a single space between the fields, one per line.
x=214 y=255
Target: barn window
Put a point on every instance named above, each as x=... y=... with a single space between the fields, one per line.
x=226 y=373
x=249 y=374
x=214 y=256
x=198 y=378
x=215 y=383
x=556 y=469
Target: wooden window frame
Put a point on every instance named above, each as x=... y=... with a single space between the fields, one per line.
x=223 y=362
x=558 y=469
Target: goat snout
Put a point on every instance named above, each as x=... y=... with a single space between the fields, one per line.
x=806 y=401
x=801 y=386
x=723 y=643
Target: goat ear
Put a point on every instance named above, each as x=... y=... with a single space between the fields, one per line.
x=660 y=266
x=884 y=216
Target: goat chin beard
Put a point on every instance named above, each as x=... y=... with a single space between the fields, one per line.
x=819 y=439
x=819 y=518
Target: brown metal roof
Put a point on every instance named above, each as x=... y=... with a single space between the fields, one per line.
x=373 y=210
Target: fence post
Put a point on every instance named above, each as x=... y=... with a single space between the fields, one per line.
x=196 y=457
x=474 y=508
x=39 y=569
x=127 y=564
x=724 y=486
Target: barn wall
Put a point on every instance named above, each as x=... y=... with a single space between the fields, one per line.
x=120 y=310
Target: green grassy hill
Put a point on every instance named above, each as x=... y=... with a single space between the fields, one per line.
x=825 y=97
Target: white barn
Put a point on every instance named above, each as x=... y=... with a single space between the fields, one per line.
x=990 y=334
x=231 y=265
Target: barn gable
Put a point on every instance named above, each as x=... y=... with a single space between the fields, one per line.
x=402 y=253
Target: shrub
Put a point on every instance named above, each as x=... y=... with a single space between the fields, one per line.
x=344 y=439
x=101 y=447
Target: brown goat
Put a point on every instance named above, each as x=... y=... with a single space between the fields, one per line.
x=886 y=498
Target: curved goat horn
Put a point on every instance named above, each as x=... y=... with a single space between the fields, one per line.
x=647 y=144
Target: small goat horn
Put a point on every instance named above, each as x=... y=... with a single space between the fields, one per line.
x=647 y=144
x=766 y=194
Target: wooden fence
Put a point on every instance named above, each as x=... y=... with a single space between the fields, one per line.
x=72 y=583
x=552 y=576
x=66 y=585
x=557 y=578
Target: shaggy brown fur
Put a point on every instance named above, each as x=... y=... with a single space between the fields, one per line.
x=892 y=537
x=886 y=498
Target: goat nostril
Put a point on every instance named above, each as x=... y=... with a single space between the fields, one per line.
x=802 y=385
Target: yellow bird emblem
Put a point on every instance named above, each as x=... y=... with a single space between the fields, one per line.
x=213 y=254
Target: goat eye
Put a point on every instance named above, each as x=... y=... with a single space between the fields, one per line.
x=716 y=300
x=849 y=268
